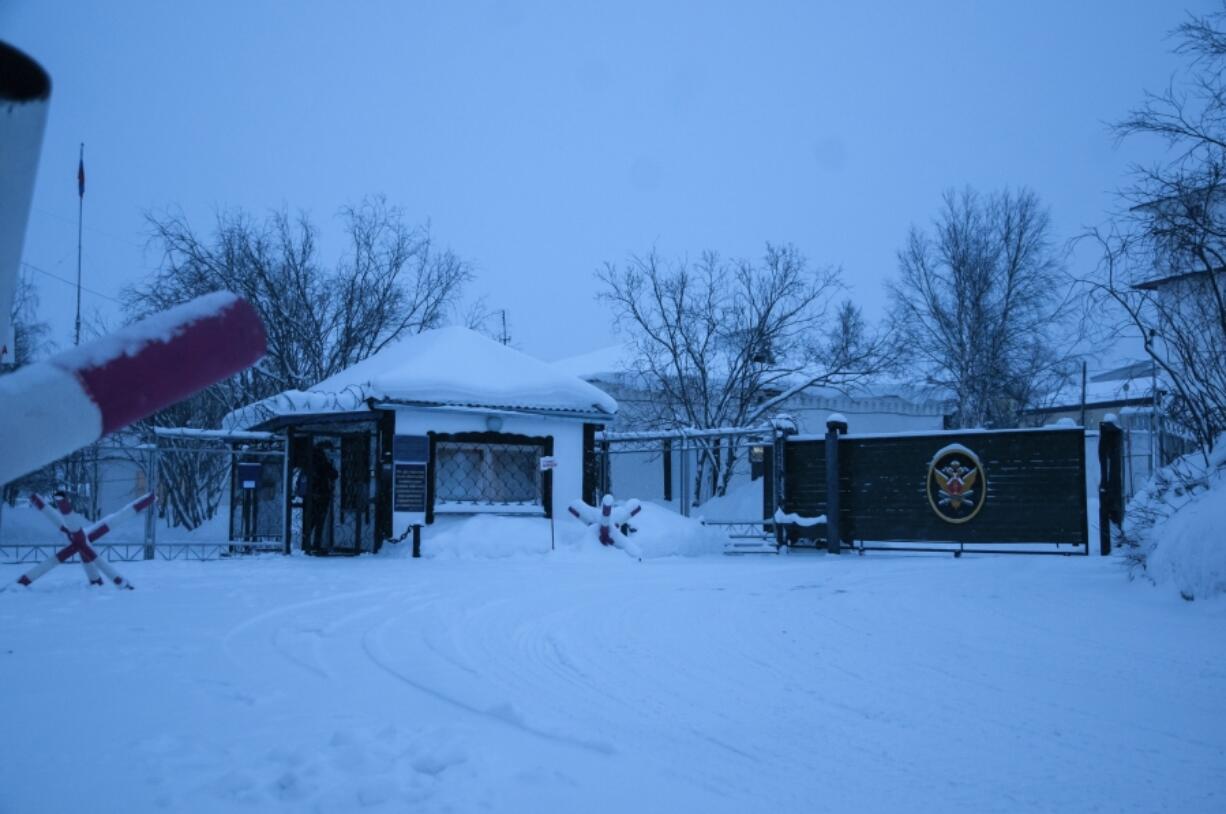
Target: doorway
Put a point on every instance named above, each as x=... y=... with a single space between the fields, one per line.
x=336 y=488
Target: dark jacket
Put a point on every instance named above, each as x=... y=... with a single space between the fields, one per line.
x=321 y=476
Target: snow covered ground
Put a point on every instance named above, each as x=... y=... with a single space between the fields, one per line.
x=590 y=682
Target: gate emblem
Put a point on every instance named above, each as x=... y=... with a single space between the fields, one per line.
x=957 y=485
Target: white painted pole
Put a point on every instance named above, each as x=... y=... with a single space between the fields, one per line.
x=25 y=92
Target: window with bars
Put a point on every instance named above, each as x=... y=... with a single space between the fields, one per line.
x=487 y=474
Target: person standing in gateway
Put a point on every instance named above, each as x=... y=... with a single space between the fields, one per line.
x=317 y=506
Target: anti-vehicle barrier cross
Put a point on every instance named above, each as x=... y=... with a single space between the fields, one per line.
x=66 y=519
x=607 y=521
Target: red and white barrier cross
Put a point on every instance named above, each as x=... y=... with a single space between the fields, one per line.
x=607 y=520
x=65 y=518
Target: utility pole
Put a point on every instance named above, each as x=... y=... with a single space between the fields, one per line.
x=504 y=337
x=80 y=211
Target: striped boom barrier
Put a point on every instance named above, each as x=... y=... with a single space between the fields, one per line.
x=55 y=407
x=52 y=408
x=66 y=519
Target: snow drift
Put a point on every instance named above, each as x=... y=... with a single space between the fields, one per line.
x=1172 y=528
x=658 y=532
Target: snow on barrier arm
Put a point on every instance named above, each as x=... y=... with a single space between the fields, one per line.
x=57 y=406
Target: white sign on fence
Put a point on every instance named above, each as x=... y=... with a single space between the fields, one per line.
x=548 y=462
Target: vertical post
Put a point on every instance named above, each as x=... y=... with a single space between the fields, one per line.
x=667 y=458
x=606 y=464
x=835 y=425
x=1083 y=393
x=1110 y=481
x=24 y=94
x=778 y=454
x=685 y=476
x=76 y=339
x=95 y=481
x=1155 y=439
x=287 y=494
x=416 y=541
x=151 y=530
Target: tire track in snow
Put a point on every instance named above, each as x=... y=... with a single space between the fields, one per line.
x=276 y=639
x=502 y=714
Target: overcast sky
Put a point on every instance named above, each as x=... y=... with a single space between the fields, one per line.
x=542 y=140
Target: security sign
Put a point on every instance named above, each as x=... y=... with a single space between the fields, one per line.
x=957 y=484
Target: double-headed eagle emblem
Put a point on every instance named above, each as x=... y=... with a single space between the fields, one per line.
x=957 y=485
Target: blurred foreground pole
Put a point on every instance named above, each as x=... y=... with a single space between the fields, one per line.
x=25 y=90
x=50 y=409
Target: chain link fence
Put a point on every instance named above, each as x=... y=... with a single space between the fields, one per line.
x=471 y=476
x=204 y=509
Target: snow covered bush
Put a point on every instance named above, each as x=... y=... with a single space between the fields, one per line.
x=1172 y=528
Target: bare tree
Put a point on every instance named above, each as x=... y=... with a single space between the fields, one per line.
x=392 y=280
x=30 y=333
x=720 y=343
x=1164 y=255
x=979 y=305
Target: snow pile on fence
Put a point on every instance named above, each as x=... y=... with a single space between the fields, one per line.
x=1175 y=525
x=743 y=501
x=658 y=533
x=665 y=533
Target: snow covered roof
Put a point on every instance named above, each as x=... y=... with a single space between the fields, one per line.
x=453 y=367
x=616 y=363
x=603 y=363
x=1131 y=383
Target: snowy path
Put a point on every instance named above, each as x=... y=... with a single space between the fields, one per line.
x=803 y=683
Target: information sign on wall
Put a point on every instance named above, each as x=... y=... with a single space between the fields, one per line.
x=410 y=454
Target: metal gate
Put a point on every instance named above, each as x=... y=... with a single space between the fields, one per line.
x=723 y=476
x=984 y=491
x=220 y=493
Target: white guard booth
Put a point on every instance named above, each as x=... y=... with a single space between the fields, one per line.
x=447 y=421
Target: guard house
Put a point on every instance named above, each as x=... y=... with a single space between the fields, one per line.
x=445 y=422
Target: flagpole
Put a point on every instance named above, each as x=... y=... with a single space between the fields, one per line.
x=80 y=210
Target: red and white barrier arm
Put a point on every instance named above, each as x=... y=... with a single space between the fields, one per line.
x=52 y=408
x=65 y=519
x=48 y=511
x=74 y=526
x=113 y=519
